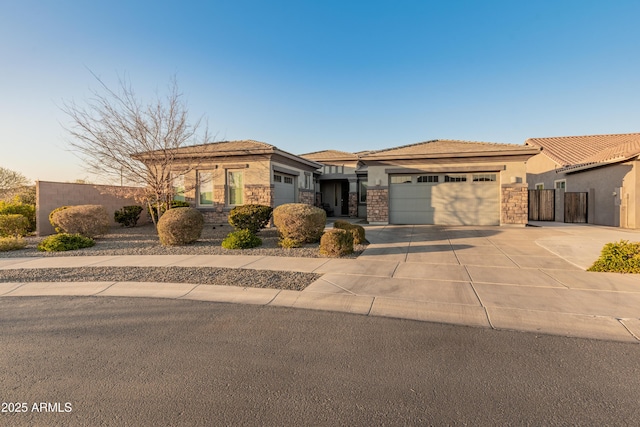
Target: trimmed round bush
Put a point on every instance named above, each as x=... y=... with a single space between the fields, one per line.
x=356 y=230
x=12 y=244
x=128 y=216
x=174 y=204
x=336 y=243
x=299 y=222
x=250 y=217
x=180 y=226
x=65 y=242
x=241 y=239
x=13 y=225
x=27 y=211
x=86 y=220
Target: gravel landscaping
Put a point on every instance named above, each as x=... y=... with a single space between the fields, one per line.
x=197 y=275
x=144 y=241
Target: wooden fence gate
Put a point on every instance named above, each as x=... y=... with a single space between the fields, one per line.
x=542 y=205
x=575 y=207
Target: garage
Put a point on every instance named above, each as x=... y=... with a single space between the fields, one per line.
x=284 y=188
x=445 y=199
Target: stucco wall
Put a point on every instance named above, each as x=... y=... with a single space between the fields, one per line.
x=51 y=195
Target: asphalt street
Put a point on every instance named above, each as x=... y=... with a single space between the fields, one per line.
x=125 y=361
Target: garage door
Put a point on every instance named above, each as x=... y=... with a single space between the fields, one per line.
x=445 y=199
x=284 y=189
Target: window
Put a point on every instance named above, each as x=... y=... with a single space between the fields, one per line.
x=484 y=177
x=560 y=184
x=235 y=188
x=178 y=187
x=205 y=188
x=307 y=181
x=540 y=186
x=428 y=178
x=363 y=191
x=288 y=180
x=277 y=178
x=401 y=179
x=455 y=178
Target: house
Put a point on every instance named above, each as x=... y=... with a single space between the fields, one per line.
x=603 y=168
x=441 y=182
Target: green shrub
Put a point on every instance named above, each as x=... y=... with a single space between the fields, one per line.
x=13 y=225
x=288 y=243
x=27 y=211
x=619 y=257
x=86 y=220
x=336 y=243
x=299 y=222
x=250 y=217
x=12 y=244
x=241 y=239
x=356 y=230
x=65 y=242
x=180 y=226
x=128 y=216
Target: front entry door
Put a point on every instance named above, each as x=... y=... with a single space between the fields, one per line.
x=344 y=198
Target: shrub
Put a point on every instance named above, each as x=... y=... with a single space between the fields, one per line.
x=336 y=243
x=86 y=220
x=250 y=217
x=13 y=225
x=619 y=257
x=299 y=222
x=27 y=211
x=356 y=230
x=241 y=239
x=288 y=243
x=65 y=242
x=128 y=216
x=52 y=214
x=163 y=209
x=12 y=244
x=180 y=226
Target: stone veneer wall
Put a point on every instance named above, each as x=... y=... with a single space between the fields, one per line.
x=258 y=195
x=378 y=204
x=514 y=207
x=306 y=196
x=353 y=205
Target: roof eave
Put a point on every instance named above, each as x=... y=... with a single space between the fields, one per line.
x=520 y=152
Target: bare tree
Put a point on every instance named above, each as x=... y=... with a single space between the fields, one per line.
x=11 y=182
x=124 y=140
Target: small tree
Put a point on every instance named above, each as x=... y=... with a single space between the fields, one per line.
x=119 y=137
x=11 y=182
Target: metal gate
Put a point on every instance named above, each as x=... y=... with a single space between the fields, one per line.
x=542 y=205
x=575 y=207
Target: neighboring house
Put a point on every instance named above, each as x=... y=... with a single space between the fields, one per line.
x=604 y=167
x=439 y=182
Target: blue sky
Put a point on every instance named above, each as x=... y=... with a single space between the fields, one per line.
x=313 y=75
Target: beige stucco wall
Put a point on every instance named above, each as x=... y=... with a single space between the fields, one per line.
x=605 y=208
x=52 y=195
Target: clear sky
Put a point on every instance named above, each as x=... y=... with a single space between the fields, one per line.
x=325 y=74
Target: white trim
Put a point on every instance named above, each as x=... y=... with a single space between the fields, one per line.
x=555 y=184
x=539 y=186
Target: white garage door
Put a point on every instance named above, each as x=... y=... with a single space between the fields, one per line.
x=284 y=189
x=445 y=199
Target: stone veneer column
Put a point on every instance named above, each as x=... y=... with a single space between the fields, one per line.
x=306 y=196
x=514 y=207
x=258 y=195
x=353 y=205
x=378 y=205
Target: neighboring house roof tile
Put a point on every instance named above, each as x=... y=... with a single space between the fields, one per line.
x=576 y=151
x=327 y=155
x=446 y=147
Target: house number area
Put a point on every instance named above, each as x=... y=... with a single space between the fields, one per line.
x=24 y=407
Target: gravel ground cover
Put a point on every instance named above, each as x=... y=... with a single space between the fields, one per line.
x=144 y=241
x=197 y=275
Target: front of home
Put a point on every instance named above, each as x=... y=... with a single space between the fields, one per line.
x=439 y=182
x=601 y=172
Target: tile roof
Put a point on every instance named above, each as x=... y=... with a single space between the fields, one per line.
x=443 y=147
x=574 y=151
x=327 y=155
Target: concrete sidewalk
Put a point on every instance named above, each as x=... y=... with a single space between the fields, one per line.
x=526 y=279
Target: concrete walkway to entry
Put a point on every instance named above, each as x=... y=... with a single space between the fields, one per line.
x=526 y=279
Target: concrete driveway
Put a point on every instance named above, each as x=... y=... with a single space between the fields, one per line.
x=530 y=279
